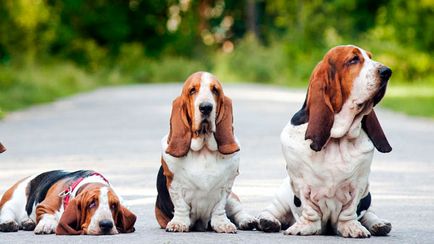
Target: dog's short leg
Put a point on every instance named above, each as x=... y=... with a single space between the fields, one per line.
x=309 y=222
x=375 y=225
x=47 y=224
x=181 y=216
x=348 y=225
x=219 y=220
x=278 y=214
x=7 y=220
x=235 y=212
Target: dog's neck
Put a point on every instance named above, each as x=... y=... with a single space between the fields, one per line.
x=204 y=141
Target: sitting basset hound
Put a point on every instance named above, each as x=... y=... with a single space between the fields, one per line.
x=328 y=147
x=200 y=160
x=65 y=203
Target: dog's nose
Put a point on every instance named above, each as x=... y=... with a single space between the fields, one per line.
x=205 y=108
x=105 y=225
x=385 y=73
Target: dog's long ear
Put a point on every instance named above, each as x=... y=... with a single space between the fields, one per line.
x=224 y=133
x=125 y=220
x=320 y=109
x=2 y=148
x=70 y=222
x=179 y=139
x=372 y=127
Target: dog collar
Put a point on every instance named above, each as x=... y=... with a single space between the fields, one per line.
x=71 y=191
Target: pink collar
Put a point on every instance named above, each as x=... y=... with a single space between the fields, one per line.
x=66 y=194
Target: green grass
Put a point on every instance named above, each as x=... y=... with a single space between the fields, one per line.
x=417 y=100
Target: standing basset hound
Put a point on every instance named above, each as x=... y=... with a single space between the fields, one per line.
x=200 y=160
x=65 y=203
x=329 y=146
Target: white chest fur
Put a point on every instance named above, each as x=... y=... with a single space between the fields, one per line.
x=201 y=178
x=328 y=179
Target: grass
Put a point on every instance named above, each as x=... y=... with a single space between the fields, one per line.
x=412 y=100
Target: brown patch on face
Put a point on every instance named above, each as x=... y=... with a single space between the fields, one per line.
x=2 y=148
x=8 y=194
x=343 y=65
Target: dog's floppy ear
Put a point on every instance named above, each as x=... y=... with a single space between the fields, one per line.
x=125 y=220
x=224 y=133
x=320 y=111
x=2 y=148
x=372 y=127
x=179 y=139
x=70 y=222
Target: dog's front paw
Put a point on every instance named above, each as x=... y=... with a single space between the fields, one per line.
x=248 y=223
x=28 y=225
x=304 y=229
x=381 y=228
x=225 y=227
x=268 y=223
x=46 y=225
x=352 y=228
x=177 y=226
x=9 y=226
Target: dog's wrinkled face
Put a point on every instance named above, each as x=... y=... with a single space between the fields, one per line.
x=96 y=210
x=360 y=78
x=204 y=94
x=101 y=211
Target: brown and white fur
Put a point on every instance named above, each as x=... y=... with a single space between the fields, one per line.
x=200 y=160
x=329 y=146
x=36 y=203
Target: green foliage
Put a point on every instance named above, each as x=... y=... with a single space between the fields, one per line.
x=56 y=48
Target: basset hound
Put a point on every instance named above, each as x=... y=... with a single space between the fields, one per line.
x=65 y=203
x=199 y=163
x=328 y=146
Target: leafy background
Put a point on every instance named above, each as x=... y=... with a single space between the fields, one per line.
x=50 y=49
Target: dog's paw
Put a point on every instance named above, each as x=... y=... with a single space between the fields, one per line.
x=304 y=229
x=28 y=225
x=45 y=227
x=268 y=223
x=9 y=226
x=381 y=228
x=248 y=223
x=177 y=226
x=353 y=229
x=225 y=227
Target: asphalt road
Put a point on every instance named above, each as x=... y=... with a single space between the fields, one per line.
x=117 y=132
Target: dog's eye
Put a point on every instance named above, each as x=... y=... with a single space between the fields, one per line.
x=92 y=204
x=354 y=60
x=215 y=91
x=113 y=206
x=192 y=91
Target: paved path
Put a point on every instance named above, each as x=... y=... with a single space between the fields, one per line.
x=117 y=131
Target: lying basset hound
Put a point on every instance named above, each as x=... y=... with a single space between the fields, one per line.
x=328 y=147
x=200 y=160
x=65 y=203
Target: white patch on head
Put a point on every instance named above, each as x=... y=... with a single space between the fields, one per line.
x=102 y=212
x=205 y=95
x=364 y=87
